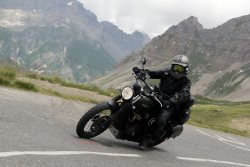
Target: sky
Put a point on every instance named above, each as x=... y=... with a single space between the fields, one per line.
x=154 y=17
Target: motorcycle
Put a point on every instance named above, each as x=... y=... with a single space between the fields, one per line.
x=129 y=115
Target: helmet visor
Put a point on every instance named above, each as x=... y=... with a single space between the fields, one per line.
x=178 y=68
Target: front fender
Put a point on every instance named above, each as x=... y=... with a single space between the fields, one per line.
x=114 y=106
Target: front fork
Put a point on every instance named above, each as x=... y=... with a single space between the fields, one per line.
x=118 y=111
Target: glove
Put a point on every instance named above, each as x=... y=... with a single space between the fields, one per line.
x=136 y=70
x=166 y=103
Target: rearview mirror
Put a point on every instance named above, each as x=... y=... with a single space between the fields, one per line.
x=143 y=61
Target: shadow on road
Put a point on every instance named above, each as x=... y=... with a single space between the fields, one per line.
x=114 y=143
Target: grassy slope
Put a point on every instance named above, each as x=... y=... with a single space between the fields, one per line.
x=231 y=118
x=221 y=115
x=8 y=78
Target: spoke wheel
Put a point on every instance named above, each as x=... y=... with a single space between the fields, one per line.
x=94 y=122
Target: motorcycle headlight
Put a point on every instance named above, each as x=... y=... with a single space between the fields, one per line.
x=127 y=93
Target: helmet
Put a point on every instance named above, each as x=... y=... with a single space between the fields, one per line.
x=179 y=66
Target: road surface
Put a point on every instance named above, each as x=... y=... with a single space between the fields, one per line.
x=39 y=130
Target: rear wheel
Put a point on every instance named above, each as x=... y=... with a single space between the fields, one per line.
x=94 y=122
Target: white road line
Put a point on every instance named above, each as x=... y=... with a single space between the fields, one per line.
x=205 y=133
x=230 y=141
x=242 y=148
x=53 y=153
x=236 y=141
x=213 y=161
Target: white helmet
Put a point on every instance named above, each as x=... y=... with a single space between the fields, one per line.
x=179 y=66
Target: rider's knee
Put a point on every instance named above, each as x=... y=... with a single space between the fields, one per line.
x=190 y=102
x=184 y=117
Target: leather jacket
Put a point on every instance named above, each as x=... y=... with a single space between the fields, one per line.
x=178 y=90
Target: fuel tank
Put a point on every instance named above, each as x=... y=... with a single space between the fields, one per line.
x=146 y=103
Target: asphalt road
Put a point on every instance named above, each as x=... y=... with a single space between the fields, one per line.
x=39 y=130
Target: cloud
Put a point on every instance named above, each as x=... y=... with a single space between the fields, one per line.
x=155 y=16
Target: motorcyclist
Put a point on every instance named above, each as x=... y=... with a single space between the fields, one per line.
x=177 y=100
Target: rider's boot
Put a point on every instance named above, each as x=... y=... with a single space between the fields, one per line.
x=143 y=144
x=176 y=131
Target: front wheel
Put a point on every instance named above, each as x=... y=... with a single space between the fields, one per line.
x=94 y=122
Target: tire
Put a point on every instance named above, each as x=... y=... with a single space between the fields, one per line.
x=89 y=116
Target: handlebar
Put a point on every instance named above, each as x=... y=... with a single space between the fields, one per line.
x=142 y=77
x=154 y=91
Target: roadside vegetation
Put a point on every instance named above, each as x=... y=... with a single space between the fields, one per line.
x=9 y=78
x=57 y=80
x=230 y=117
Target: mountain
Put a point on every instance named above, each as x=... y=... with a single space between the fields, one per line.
x=220 y=57
x=62 y=37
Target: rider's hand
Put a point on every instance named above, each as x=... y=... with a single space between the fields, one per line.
x=166 y=103
x=136 y=70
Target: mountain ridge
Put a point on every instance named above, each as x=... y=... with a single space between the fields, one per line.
x=220 y=57
x=42 y=34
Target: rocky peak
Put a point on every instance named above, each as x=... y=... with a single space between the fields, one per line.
x=190 y=23
x=141 y=35
x=62 y=35
x=187 y=26
x=178 y=39
x=126 y=41
x=219 y=57
x=80 y=7
x=234 y=28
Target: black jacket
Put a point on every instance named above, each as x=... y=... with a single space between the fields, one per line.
x=177 y=89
